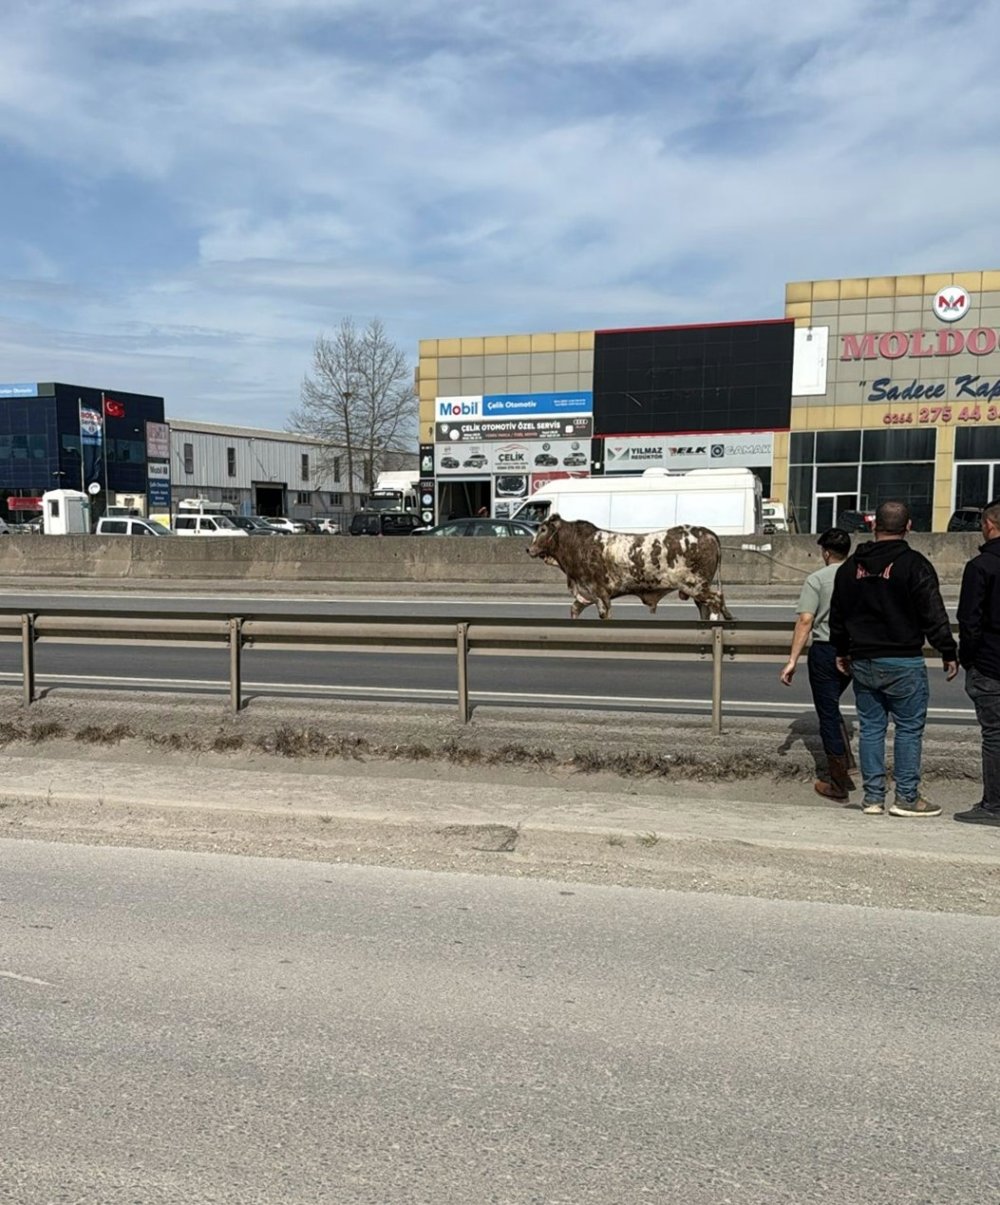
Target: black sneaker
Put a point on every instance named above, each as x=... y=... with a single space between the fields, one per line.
x=979 y=815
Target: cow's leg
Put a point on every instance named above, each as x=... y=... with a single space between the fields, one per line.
x=712 y=605
x=579 y=604
x=603 y=606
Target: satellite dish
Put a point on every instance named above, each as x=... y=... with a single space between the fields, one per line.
x=94 y=488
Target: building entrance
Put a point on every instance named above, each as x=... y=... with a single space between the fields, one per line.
x=828 y=507
x=269 y=500
x=458 y=499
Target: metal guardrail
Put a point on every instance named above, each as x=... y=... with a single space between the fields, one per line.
x=670 y=640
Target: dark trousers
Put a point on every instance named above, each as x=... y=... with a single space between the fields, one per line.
x=827 y=684
x=985 y=694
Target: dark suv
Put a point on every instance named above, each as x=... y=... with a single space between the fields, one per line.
x=966 y=518
x=384 y=523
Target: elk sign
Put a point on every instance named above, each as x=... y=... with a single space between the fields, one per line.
x=603 y=565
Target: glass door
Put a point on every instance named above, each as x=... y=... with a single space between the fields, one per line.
x=827 y=508
x=975 y=484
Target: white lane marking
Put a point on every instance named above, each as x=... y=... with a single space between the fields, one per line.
x=477 y=696
x=25 y=979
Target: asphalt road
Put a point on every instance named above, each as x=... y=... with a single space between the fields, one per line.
x=749 y=688
x=191 y=1028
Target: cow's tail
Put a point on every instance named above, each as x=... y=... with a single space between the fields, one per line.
x=726 y=613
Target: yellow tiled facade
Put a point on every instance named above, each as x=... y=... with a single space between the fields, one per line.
x=894 y=362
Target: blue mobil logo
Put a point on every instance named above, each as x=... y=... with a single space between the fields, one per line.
x=579 y=401
x=459 y=407
x=21 y=390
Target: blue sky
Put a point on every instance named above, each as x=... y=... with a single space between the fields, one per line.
x=192 y=190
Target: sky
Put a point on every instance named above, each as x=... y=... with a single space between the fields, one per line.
x=191 y=191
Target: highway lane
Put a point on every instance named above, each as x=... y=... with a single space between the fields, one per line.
x=630 y=684
x=183 y=1028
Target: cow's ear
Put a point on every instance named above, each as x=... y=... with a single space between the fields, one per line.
x=555 y=520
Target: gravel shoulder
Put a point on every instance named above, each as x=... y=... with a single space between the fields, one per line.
x=581 y=796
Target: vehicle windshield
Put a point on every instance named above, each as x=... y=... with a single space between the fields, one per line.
x=223 y=521
x=533 y=512
x=157 y=528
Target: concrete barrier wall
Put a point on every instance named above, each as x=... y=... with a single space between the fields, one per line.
x=762 y=561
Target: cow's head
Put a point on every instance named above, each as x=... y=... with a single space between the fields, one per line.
x=546 y=537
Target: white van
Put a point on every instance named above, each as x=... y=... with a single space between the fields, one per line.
x=206 y=525
x=726 y=500
x=131 y=526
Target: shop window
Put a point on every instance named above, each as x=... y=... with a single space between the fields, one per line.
x=336 y=468
x=336 y=499
x=837 y=479
x=972 y=485
x=305 y=466
x=232 y=496
x=303 y=498
x=801 y=447
x=838 y=447
x=189 y=458
x=977 y=443
x=899 y=445
x=231 y=462
x=909 y=483
x=800 y=494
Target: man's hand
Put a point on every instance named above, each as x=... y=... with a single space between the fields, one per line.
x=950 y=670
x=844 y=665
x=788 y=673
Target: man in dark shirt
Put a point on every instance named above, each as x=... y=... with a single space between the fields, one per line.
x=886 y=602
x=979 y=653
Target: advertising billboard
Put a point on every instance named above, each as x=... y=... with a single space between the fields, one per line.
x=634 y=453
x=499 y=405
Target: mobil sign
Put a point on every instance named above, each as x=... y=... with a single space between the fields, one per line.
x=451 y=408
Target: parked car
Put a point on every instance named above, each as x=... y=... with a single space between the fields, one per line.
x=294 y=527
x=131 y=526
x=4 y=529
x=206 y=525
x=480 y=527
x=856 y=520
x=384 y=523
x=966 y=518
x=546 y=460
x=328 y=527
x=32 y=527
x=254 y=525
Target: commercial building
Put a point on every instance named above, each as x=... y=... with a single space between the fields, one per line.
x=75 y=437
x=896 y=395
x=866 y=389
x=502 y=415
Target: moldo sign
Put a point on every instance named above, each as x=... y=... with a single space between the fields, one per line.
x=949 y=305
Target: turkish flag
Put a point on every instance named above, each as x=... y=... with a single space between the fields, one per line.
x=113 y=409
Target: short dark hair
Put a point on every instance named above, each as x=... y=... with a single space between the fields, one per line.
x=991 y=512
x=891 y=518
x=835 y=540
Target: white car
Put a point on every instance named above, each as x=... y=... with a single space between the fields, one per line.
x=329 y=527
x=206 y=525
x=115 y=526
x=290 y=525
x=4 y=529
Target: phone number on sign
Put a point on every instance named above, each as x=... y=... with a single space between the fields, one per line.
x=943 y=414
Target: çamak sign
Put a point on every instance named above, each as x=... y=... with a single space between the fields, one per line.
x=894 y=345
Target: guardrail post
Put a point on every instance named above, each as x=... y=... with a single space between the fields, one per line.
x=717 y=651
x=235 y=664
x=28 y=657
x=462 y=642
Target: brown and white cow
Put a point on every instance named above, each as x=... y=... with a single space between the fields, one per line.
x=602 y=565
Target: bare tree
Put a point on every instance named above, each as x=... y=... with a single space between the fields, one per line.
x=359 y=401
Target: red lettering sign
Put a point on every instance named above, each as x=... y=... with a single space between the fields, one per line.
x=893 y=345
x=24 y=504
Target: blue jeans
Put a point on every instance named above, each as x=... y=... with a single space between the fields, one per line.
x=827 y=684
x=897 y=687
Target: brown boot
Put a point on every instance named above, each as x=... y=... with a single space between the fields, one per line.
x=840 y=780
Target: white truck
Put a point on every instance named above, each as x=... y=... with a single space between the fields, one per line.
x=726 y=500
x=395 y=491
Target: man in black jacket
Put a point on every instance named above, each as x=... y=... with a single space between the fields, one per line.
x=886 y=602
x=979 y=653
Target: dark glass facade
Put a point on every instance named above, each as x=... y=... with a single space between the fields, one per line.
x=40 y=440
x=874 y=467
x=728 y=377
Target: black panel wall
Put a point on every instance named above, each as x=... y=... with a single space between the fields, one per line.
x=731 y=377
